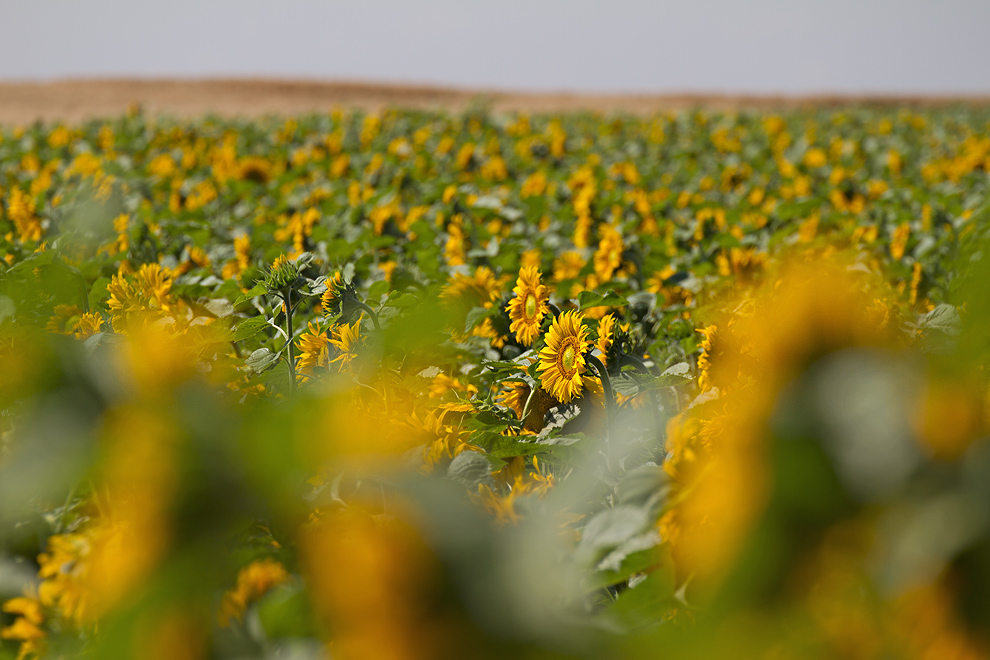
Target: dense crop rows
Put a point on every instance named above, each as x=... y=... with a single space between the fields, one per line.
x=417 y=385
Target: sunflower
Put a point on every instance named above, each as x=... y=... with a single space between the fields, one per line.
x=345 y=338
x=608 y=256
x=330 y=300
x=87 y=325
x=254 y=168
x=242 y=251
x=455 y=249
x=704 y=360
x=64 y=320
x=155 y=282
x=253 y=581
x=313 y=348
x=465 y=292
x=21 y=210
x=606 y=332
x=514 y=396
x=27 y=628
x=527 y=309
x=562 y=359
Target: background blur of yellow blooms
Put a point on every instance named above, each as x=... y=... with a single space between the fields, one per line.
x=410 y=385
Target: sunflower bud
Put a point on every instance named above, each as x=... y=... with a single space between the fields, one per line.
x=282 y=275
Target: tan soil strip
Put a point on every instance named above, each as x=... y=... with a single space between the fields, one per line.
x=77 y=100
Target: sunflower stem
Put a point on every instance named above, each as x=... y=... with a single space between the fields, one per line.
x=525 y=410
x=374 y=317
x=378 y=328
x=609 y=395
x=654 y=399
x=291 y=362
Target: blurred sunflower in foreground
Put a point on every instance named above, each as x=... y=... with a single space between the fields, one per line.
x=796 y=478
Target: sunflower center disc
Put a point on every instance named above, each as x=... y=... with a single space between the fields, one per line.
x=568 y=358
x=530 y=307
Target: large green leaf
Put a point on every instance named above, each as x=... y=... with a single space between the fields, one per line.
x=249 y=328
x=588 y=299
x=262 y=360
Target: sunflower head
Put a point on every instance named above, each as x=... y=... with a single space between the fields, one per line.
x=606 y=334
x=467 y=291
x=562 y=359
x=464 y=292
x=254 y=168
x=313 y=350
x=704 y=359
x=528 y=307
x=608 y=256
x=514 y=396
x=331 y=298
x=345 y=339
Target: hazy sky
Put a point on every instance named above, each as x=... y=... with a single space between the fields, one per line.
x=761 y=46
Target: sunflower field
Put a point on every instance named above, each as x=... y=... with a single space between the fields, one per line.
x=415 y=384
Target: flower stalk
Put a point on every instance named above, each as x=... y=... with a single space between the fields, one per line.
x=609 y=394
x=286 y=295
x=654 y=399
x=357 y=304
x=354 y=304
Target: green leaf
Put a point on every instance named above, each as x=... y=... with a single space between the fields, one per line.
x=502 y=446
x=679 y=369
x=631 y=381
x=249 y=328
x=611 y=528
x=404 y=300
x=588 y=299
x=220 y=307
x=475 y=315
x=98 y=292
x=674 y=375
x=378 y=289
x=641 y=485
x=944 y=318
x=469 y=468
x=639 y=605
x=621 y=564
x=284 y=612
x=261 y=360
x=7 y=308
x=510 y=213
x=505 y=368
x=255 y=291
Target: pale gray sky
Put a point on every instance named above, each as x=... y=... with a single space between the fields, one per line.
x=757 y=46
